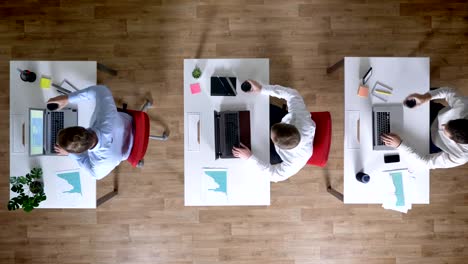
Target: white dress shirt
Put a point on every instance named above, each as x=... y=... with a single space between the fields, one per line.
x=296 y=158
x=113 y=130
x=453 y=154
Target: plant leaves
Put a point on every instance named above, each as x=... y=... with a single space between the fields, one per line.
x=22 y=180
x=36 y=173
x=12 y=205
x=17 y=188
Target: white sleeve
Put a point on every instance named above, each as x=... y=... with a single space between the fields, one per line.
x=432 y=161
x=105 y=111
x=449 y=94
x=293 y=99
x=97 y=172
x=278 y=172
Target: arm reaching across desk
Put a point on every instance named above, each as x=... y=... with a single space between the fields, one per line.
x=292 y=137
x=432 y=161
x=448 y=131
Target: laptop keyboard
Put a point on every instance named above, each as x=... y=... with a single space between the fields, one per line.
x=383 y=125
x=232 y=130
x=56 y=119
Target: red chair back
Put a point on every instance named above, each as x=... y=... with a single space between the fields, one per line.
x=322 y=138
x=141 y=128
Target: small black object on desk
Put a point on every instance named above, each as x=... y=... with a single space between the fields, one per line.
x=246 y=86
x=52 y=106
x=28 y=76
x=362 y=177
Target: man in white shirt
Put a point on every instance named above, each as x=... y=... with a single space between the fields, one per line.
x=109 y=140
x=449 y=131
x=293 y=136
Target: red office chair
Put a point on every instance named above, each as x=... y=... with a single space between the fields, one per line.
x=322 y=138
x=322 y=143
x=141 y=136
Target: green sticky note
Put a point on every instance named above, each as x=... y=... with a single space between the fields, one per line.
x=45 y=82
x=398 y=182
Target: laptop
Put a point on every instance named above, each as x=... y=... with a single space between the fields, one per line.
x=44 y=126
x=223 y=86
x=231 y=128
x=386 y=118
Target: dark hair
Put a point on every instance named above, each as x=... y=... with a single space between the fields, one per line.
x=286 y=136
x=458 y=130
x=75 y=139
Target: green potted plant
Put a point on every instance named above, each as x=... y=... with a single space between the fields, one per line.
x=196 y=73
x=30 y=190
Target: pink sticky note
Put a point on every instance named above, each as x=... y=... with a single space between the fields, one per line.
x=363 y=91
x=195 y=88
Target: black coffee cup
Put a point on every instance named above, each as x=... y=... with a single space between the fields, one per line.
x=246 y=87
x=28 y=76
x=410 y=103
x=52 y=106
x=362 y=177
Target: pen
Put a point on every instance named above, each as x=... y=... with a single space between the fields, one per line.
x=60 y=92
x=61 y=89
x=383 y=92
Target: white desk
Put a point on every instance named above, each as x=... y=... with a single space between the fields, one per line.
x=405 y=76
x=25 y=95
x=245 y=184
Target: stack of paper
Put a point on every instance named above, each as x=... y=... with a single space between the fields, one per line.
x=399 y=199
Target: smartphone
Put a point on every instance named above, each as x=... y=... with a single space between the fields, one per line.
x=391 y=158
x=367 y=76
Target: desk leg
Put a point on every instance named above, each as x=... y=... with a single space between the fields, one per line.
x=106 y=69
x=335 y=66
x=111 y=194
x=335 y=193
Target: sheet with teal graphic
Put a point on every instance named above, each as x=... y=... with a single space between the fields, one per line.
x=215 y=185
x=399 y=192
x=73 y=179
x=398 y=197
x=68 y=187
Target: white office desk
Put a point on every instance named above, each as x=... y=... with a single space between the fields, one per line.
x=25 y=95
x=405 y=76
x=245 y=184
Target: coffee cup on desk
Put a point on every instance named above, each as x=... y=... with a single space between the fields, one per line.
x=410 y=103
x=52 y=106
x=27 y=76
x=362 y=177
x=246 y=86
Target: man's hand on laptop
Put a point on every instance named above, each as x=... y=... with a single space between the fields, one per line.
x=61 y=100
x=256 y=87
x=391 y=140
x=242 y=152
x=60 y=151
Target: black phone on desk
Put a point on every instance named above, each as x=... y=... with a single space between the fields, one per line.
x=391 y=158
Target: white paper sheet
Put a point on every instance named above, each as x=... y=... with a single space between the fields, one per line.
x=353 y=129
x=194 y=128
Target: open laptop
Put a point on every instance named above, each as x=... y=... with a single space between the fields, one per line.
x=231 y=128
x=44 y=126
x=386 y=118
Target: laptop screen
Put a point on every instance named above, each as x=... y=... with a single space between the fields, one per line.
x=36 y=132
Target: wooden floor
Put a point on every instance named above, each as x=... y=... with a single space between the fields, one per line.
x=147 y=42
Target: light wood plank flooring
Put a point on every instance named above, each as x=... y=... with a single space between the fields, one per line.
x=147 y=42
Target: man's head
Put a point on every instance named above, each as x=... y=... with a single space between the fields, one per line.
x=285 y=136
x=76 y=139
x=457 y=130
